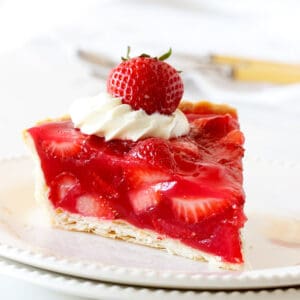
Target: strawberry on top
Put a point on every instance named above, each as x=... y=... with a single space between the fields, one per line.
x=147 y=83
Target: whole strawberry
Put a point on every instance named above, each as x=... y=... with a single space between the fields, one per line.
x=147 y=83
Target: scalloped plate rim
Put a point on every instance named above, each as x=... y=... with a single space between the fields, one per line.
x=76 y=286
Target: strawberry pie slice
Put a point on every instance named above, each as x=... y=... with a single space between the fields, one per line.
x=179 y=190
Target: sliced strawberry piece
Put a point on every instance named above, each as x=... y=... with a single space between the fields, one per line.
x=139 y=175
x=215 y=126
x=95 y=206
x=154 y=151
x=235 y=137
x=186 y=153
x=192 y=210
x=62 y=149
x=99 y=185
x=63 y=185
x=143 y=200
x=62 y=140
x=186 y=147
x=143 y=193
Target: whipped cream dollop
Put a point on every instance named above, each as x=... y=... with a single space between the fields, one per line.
x=106 y=116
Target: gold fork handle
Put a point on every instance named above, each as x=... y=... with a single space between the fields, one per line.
x=245 y=69
x=233 y=60
x=261 y=73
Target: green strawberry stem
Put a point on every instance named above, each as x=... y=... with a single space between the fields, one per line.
x=166 y=55
x=161 y=58
x=127 y=57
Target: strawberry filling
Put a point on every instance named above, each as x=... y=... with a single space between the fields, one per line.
x=188 y=188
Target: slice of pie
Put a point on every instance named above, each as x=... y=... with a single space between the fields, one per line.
x=183 y=194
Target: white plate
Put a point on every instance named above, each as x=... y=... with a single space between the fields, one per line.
x=272 y=245
x=99 y=290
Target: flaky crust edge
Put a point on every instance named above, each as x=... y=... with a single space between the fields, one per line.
x=206 y=107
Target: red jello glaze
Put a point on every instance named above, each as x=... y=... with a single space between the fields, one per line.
x=188 y=188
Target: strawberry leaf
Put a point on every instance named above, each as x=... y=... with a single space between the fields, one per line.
x=166 y=55
x=127 y=57
x=145 y=55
